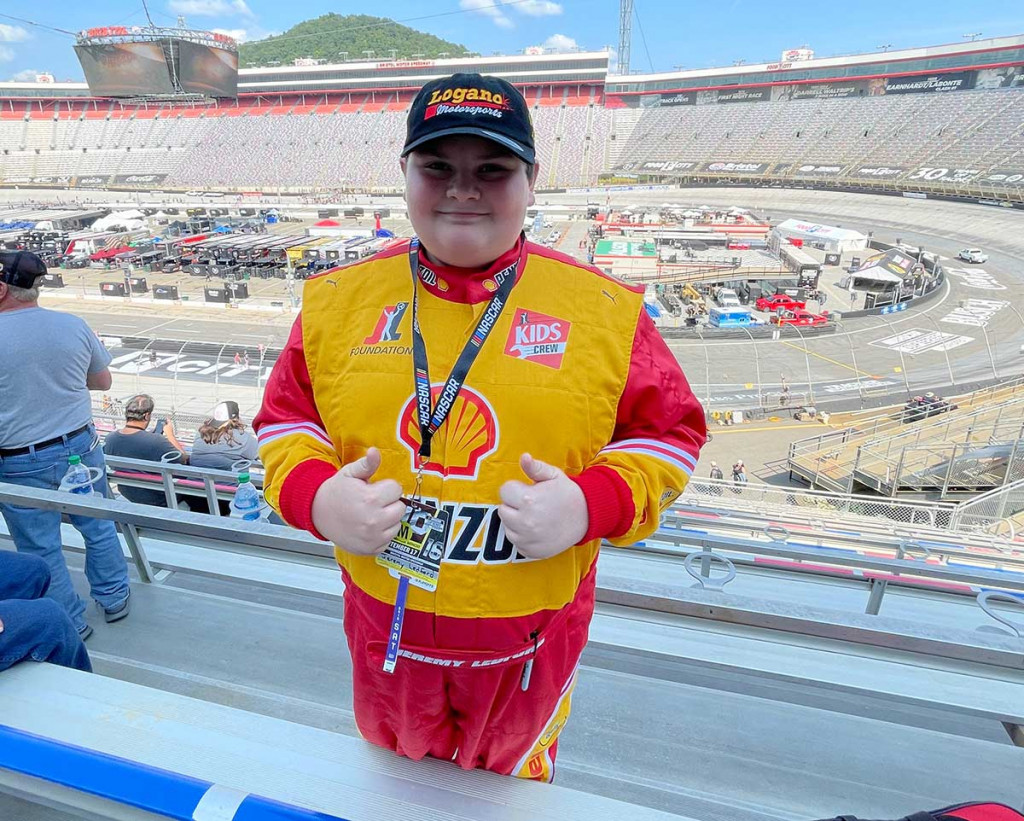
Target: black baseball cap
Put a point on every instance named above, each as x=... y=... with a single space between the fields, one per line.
x=474 y=104
x=20 y=268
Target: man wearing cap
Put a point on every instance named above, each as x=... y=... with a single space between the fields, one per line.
x=135 y=441
x=466 y=416
x=51 y=361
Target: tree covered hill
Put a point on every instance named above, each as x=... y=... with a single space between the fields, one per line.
x=329 y=36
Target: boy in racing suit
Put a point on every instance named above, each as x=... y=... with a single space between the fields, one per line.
x=522 y=399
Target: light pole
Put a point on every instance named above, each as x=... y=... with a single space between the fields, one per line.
x=856 y=370
x=216 y=373
x=988 y=345
x=807 y=362
x=707 y=368
x=945 y=350
x=899 y=350
x=757 y=362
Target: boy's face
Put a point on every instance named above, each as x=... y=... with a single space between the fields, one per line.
x=467 y=199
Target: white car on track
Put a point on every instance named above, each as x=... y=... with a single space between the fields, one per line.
x=975 y=255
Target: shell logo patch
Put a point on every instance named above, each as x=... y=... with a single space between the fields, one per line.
x=537 y=337
x=470 y=434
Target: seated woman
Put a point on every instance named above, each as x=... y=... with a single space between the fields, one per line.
x=221 y=443
x=224 y=441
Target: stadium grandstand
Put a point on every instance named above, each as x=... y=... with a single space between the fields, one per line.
x=946 y=119
x=843 y=632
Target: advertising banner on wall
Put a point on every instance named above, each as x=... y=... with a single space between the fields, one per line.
x=820 y=91
x=90 y=181
x=938 y=174
x=876 y=172
x=680 y=98
x=918 y=84
x=1005 y=77
x=811 y=170
x=1004 y=177
x=735 y=167
x=666 y=167
x=139 y=179
x=737 y=95
x=668 y=100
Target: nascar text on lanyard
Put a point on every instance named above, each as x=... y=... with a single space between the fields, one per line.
x=415 y=554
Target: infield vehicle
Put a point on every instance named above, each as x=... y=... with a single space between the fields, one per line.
x=800 y=316
x=779 y=302
x=972 y=255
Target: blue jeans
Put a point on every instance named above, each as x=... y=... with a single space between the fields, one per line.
x=33 y=627
x=38 y=531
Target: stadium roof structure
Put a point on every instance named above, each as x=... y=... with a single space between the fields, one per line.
x=988 y=53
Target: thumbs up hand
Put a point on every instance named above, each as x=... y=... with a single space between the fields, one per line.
x=357 y=514
x=544 y=518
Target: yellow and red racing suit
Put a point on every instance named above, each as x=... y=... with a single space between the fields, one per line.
x=574 y=373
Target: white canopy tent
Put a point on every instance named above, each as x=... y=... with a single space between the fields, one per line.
x=837 y=240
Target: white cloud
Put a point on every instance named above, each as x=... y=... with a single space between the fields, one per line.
x=239 y=35
x=559 y=43
x=488 y=8
x=6 y=54
x=539 y=8
x=27 y=75
x=12 y=34
x=210 y=8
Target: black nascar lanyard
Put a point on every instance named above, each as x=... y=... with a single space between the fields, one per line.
x=430 y=419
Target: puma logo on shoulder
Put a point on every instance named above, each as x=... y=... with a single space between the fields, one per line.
x=612 y=297
x=333 y=282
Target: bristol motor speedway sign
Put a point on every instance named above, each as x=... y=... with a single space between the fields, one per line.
x=735 y=167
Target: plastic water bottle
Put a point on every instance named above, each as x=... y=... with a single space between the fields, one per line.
x=247 y=502
x=78 y=478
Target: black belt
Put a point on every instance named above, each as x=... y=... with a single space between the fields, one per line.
x=40 y=445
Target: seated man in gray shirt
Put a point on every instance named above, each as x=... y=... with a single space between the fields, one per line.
x=133 y=441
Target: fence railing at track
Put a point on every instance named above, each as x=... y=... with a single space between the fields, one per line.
x=890 y=420
x=984 y=456
x=769 y=499
x=833 y=460
x=996 y=512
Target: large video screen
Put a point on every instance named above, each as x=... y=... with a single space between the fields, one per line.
x=207 y=70
x=125 y=69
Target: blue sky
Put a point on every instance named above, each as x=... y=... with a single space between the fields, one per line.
x=677 y=32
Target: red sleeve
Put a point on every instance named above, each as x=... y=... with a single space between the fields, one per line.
x=295 y=448
x=658 y=416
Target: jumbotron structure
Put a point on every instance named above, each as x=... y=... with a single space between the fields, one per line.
x=943 y=120
x=153 y=63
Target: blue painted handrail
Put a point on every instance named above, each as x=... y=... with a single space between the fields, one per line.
x=152 y=789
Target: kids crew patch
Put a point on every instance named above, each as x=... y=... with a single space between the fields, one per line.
x=537 y=337
x=466 y=101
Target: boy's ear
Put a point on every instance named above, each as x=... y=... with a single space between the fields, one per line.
x=403 y=162
x=533 y=182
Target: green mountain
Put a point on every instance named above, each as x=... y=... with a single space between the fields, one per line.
x=326 y=37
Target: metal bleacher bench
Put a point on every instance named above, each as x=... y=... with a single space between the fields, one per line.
x=979 y=675
x=84 y=742
x=178 y=480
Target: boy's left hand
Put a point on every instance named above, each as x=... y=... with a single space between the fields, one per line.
x=544 y=518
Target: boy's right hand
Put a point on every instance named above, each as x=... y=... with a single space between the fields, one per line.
x=356 y=514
